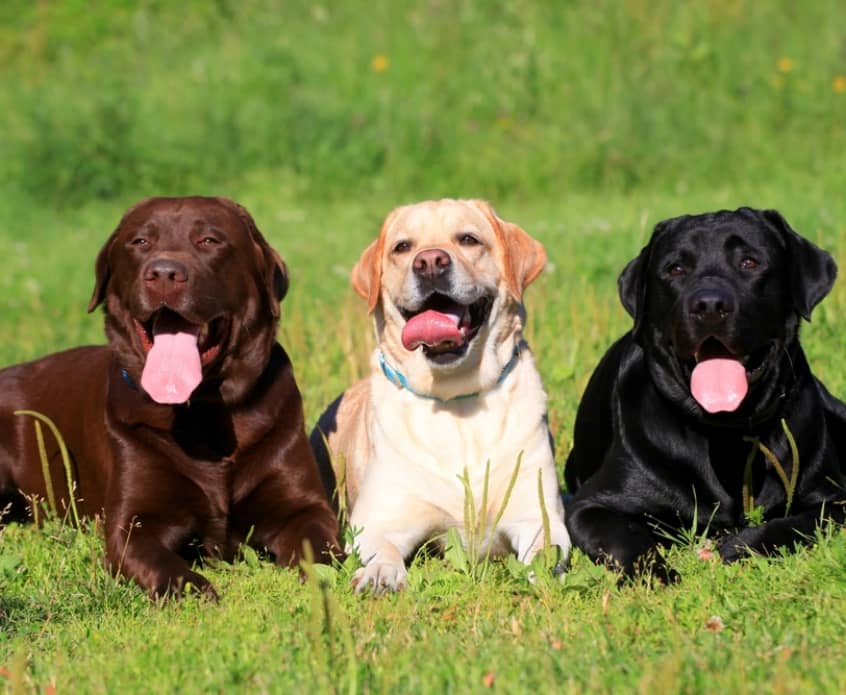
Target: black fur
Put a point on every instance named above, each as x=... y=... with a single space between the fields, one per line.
x=648 y=460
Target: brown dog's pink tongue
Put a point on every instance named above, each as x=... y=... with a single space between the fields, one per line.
x=719 y=384
x=432 y=328
x=173 y=368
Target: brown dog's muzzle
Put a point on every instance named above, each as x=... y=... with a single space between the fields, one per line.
x=165 y=277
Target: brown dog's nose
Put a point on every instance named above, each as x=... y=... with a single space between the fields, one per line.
x=431 y=263
x=165 y=271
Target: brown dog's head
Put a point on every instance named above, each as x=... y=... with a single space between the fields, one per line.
x=191 y=292
x=444 y=281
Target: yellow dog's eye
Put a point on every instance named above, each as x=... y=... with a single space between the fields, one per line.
x=468 y=240
x=402 y=247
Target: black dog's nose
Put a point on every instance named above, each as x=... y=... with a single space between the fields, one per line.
x=431 y=263
x=710 y=304
x=165 y=270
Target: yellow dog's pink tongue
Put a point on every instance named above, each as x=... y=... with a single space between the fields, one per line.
x=432 y=328
x=173 y=368
x=719 y=384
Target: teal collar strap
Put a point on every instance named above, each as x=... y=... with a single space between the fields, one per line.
x=398 y=378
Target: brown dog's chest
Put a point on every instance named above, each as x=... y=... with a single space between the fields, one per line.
x=185 y=464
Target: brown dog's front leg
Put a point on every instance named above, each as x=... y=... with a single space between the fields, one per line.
x=315 y=525
x=134 y=549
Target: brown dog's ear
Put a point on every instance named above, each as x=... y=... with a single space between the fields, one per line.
x=812 y=271
x=523 y=258
x=102 y=269
x=102 y=273
x=366 y=275
x=275 y=271
x=277 y=278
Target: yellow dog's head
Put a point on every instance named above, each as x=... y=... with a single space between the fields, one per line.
x=444 y=281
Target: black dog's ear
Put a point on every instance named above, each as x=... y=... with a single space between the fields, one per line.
x=632 y=283
x=812 y=270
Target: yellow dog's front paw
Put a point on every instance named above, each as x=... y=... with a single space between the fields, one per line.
x=379 y=578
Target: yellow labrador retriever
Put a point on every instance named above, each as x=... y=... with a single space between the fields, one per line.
x=453 y=388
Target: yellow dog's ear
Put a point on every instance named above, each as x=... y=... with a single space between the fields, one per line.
x=367 y=274
x=523 y=258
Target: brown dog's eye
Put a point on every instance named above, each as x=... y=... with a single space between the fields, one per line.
x=402 y=247
x=468 y=240
x=208 y=241
x=139 y=241
x=749 y=263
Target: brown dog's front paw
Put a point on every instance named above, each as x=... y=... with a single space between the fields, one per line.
x=190 y=584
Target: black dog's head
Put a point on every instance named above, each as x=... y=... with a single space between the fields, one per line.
x=717 y=300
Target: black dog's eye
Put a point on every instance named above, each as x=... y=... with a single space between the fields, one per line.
x=402 y=247
x=748 y=263
x=467 y=239
x=676 y=270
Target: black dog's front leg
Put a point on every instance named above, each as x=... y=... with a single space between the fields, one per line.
x=620 y=541
x=777 y=533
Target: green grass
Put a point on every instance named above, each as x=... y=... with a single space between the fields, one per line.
x=586 y=123
x=495 y=98
x=66 y=622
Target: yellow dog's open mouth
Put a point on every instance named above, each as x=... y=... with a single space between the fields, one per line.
x=443 y=326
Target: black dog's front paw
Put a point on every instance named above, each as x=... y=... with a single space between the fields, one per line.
x=740 y=545
x=732 y=549
x=649 y=567
x=652 y=567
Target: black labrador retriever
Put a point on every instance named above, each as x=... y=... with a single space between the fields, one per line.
x=706 y=414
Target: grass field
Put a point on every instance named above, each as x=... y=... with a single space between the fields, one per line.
x=586 y=123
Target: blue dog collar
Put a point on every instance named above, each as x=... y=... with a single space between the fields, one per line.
x=398 y=378
x=124 y=374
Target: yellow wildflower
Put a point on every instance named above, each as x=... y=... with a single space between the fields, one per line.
x=784 y=65
x=504 y=122
x=380 y=63
x=839 y=84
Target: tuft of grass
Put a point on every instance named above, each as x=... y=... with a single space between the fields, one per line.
x=45 y=462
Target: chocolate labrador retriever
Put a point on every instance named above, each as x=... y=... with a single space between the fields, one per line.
x=706 y=414
x=187 y=429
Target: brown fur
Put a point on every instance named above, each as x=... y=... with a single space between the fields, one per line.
x=231 y=464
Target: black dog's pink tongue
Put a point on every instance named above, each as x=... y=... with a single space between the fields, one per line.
x=719 y=384
x=433 y=329
x=173 y=368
